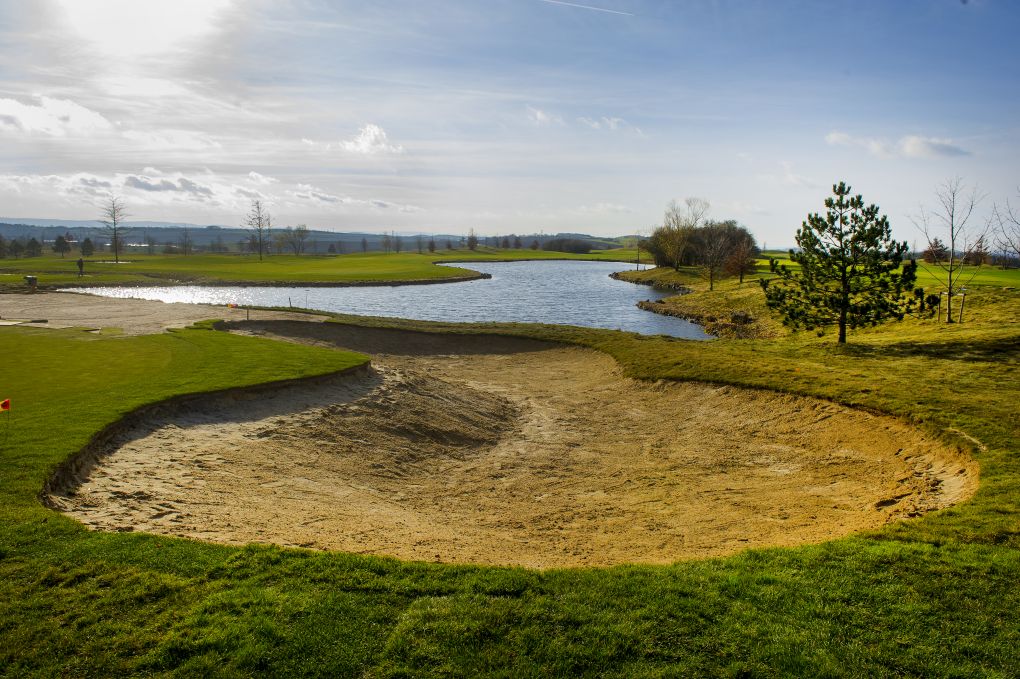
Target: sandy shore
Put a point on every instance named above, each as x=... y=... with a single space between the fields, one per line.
x=130 y=316
x=501 y=451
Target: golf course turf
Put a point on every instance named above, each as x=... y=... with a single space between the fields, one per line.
x=931 y=596
x=372 y=268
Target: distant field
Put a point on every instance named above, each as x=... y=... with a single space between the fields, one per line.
x=138 y=269
x=928 y=275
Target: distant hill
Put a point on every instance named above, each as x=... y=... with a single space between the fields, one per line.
x=166 y=236
x=89 y=223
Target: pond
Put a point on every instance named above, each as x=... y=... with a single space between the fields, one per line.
x=561 y=292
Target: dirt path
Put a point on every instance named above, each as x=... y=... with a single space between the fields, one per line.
x=130 y=316
x=501 y=451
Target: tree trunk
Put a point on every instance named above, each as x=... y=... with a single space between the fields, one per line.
x=949 y=297
x=845 y=302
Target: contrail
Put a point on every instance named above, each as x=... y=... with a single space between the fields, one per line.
x=596 y=9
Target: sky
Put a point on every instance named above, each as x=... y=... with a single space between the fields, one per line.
x=504 y=116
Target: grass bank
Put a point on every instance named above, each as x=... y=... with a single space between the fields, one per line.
x=737 y=310
x=213 y=269
x=933 y=596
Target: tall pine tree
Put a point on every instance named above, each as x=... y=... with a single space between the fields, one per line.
x=849 y=272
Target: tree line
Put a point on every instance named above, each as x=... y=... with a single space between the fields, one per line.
x=688 y=238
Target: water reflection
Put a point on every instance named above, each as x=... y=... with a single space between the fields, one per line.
x=564 y=292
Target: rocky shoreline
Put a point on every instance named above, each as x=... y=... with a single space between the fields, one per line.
x=736 y=324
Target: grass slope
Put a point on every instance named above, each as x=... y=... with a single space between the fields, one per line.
x=934 y=596
x=139 y=269
x=715 y=310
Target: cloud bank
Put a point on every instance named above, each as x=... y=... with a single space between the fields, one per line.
x=909 y=146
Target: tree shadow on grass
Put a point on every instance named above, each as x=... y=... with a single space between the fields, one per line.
x=374 y=341
x=992 y=350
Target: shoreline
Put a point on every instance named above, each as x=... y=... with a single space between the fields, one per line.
x=709 y=324
x=157 y=282
x=266 y=284
x=719 y=321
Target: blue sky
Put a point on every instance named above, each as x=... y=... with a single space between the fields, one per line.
x=503 y=115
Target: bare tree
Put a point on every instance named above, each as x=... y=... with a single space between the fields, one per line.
x=420 y=242
x=112 y=216
x=950 y=223
x=260 y=224
x=743 y=255
x=398 y=243
x=295 y=238
x=1007 y=231
x=714 y=246
x=187 y=244
x=678 y=226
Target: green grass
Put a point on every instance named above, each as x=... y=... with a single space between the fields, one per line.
x=715 y=309
x=934 y=596
x=928 y=275
x=139 y=269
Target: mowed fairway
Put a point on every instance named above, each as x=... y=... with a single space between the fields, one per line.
x=932 y=596
x=373 y=267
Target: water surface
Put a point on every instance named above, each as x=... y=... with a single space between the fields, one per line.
x=560 y=292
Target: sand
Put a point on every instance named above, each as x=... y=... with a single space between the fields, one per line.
x=127 y=316
x=500 y=451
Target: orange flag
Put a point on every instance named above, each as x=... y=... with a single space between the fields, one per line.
x=5 y=404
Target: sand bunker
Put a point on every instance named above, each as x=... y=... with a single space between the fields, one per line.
x=500 y=451
x=130 y=316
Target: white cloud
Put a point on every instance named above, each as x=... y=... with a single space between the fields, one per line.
x=913 y=146
x=370 y=140
x=147 y=191
x=251 y=194
x=129 y=29
x=261 y=178
x=787 y=177
x=315 y=195
x=51 y=117
x=835 y=138
x=181 y=185
x=311 y=193
x=742 y=208
x=543 y=118
x=608 y=123
x=604 y=209
x=172 y=140
x=910 y=146
x=63 y=118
